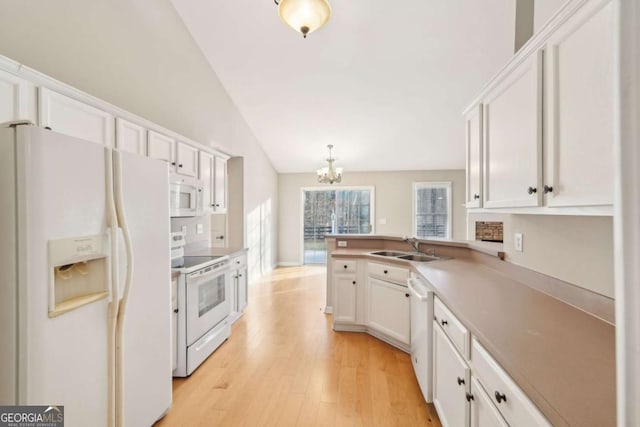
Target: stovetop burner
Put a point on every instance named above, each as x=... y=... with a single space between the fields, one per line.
x=192 y=261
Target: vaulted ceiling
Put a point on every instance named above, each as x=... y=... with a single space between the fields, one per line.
x=384 y=81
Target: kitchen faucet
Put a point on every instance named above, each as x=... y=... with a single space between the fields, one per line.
x=416 y=245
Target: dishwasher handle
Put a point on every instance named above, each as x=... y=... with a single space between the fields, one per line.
x=414 y=291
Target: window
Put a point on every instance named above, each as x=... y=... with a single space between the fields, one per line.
x=340 y=210
x=432 y=210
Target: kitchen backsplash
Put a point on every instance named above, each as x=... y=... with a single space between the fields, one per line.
x=491 y=231
x=193 y=235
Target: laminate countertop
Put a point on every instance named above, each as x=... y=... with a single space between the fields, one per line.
x=562 y=358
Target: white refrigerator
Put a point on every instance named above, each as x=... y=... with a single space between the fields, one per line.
x=85 y=296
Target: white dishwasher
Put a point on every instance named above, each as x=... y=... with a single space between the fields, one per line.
x=422 y=334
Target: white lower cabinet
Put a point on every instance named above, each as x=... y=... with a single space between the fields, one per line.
x=388 y=309
x=239 y=285
x=483 y=412
x=347 y=298
x=451 y=377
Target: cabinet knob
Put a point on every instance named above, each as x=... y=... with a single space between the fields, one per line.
x=239 y=275
x=217 y=205
x=354 y=282
x=345 y=266
x=175 y=311
x=469 y=397
x=199 y=190
x=180 y=165
x=532 y=190
x=220 y=238
x=444 y=322
x=500 y=397
x=385 y=272
x=47 y=127
x=460 y=381
x=173 y=163
x=406 y=295
x=476 y=196
x=547 y=189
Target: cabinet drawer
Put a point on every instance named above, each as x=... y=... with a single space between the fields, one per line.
x=391 y=273
x=510 y=400
x=454 y=329
x=344 y=266
x=238 y=261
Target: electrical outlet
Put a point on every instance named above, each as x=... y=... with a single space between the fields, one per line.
x=342 y=243
x=184 y=230
x=517 y=242
x=199 y=228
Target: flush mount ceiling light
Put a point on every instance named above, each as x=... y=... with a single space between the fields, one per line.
x=329 y=174
x=304 y=16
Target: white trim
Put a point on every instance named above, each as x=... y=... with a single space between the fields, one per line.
x=328 y=309
x=432 y=184
x=42 y=80
x=372 y=211
x=627 y=211
x=289 y=264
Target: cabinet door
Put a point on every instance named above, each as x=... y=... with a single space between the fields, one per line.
x=161 y=147
x=131 y=137
x=186 y=159
x=483 y=411
x=512 y=140
x=580 y=103
x=66 y=115
x=450 y=382
x=346 y=298
x=233 y=295
x=220 y=190
x=206 y=176
x=15 y=99
x=243 y=291
x=474 y=157
x=389 y=310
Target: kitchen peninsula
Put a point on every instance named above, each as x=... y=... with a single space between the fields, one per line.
x=555 y=341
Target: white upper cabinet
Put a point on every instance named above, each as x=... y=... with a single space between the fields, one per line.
x=161 y=147
x=186 y=159
x=513 y=137
x=16 y=101
x=474 y=157
x=220 y=185
x=66 y=115
x=206 y=175
x=131 y=137
x=579 y=72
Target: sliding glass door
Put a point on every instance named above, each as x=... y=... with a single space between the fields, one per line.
x=334 y=210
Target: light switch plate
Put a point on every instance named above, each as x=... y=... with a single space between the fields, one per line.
x=517 y=242
x=199 y=228
x=342 y=243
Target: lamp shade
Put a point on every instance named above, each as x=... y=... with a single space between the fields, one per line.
x=304 y=16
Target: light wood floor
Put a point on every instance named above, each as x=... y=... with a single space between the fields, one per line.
x=285 y=366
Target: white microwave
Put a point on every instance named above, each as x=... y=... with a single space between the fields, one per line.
x=185 y=195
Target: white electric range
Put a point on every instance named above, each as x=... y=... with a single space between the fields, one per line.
x=204 y=287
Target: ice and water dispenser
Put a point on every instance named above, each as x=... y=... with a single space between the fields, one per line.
x=79 y=272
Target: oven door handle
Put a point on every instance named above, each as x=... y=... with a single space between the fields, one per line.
x=200 y=276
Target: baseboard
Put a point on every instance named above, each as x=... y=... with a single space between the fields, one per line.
x=289 y=264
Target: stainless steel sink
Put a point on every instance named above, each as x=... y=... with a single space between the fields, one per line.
x=419 y=258
x=389 y=253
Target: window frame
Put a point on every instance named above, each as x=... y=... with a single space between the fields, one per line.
x=448 y=185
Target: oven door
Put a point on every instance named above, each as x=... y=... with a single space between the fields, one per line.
x=207 y=300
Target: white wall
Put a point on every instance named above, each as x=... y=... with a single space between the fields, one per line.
x=393 y=202
x=543 y=10
x=576 y=249
x=139 y=56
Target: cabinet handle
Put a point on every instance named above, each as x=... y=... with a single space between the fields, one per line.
x=175 y=311
x=500 y=397
x=476 y=196
x=460 y=381
x=406 y=295
x=547 y=189
x=221 y=238
x=469 y=397
x=532 y=190
x=385 y=272
x=444 y=322
x=354 y=282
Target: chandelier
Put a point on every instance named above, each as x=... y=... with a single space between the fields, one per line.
x=304 y=16
x=329 y=174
